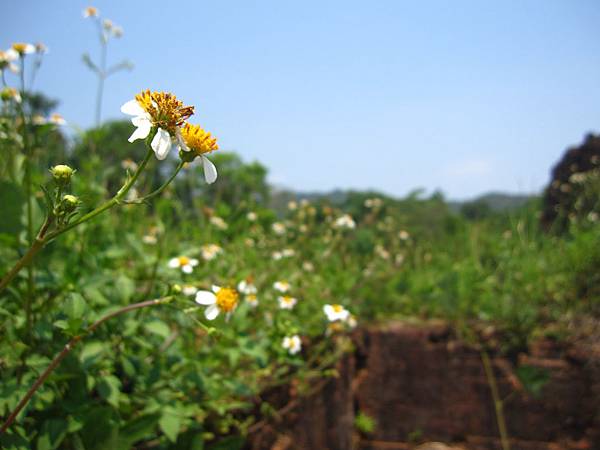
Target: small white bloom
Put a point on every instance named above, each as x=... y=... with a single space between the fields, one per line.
x=351 y=322
x=246 y=287
x=336 y=312
x=149 y=239
x=403 y=235
x=252 y=300
x=292 y=344
x=184 y=263
x=90 y=11
x=219 y=300
x=219 y=222
x=189 y=290
x=287 y=302
x=308 y=266
x=281 y=286
x=288 y=252
x=345 y=221
x=57 y=119
x=277 y=256
x=251 y=216
x=210 y=251
x=278 y=228
x=292 y=205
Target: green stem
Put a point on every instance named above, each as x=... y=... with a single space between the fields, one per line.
x=158 y=191
x=498 y=407
x=67 y=349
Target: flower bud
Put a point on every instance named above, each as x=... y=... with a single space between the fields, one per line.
x=69 y=203
x=62 y=173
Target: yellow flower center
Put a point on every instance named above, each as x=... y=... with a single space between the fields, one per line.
x=198 y=140
x=287 y=299
x=166 y=111
x=251 y=298
x=19 y=47
x=91 y=11
x=227 y=299
x=337 y=308
x=183 y=260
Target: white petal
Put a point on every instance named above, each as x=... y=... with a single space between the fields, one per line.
x=133 y=108
x=174 y=263
x=210 y=171
x=193 y=262
x=141 y=132
x=211 y=312
x=216 y=288
x=205 y=298
x=187 y=269
x=181 y=141
x=161 y=144
x=328 y=309
x=11 y=54
x=143 y=119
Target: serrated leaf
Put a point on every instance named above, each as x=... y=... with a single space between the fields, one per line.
x=170 y=424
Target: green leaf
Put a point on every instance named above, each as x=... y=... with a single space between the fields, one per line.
x=52 y=434
x=109 y=389
x=170 y=424
x=159 y=328
x=137 y=429
x=75 y=305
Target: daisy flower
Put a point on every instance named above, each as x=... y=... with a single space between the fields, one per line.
x=292 y=344
x=278 y=228
x=336 y=312
x=287 y=302
x=252 y=300
x=281 y=286
x=219 y=222
x=6 y=60
x=162 y=111
x=210 y=251
x=23 y=48
x=246 y=287
x=219 y=300
x=184 y=263
x=345 y=221
x=90 y=11
x=197 y=142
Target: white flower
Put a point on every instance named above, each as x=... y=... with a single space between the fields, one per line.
x=351 y=322
x=292 y=205
x=218 y=222
x=278 y=228
x=149 y=239
x=219 y=300
x=287 y=302
x=403 y=234
x=308 y=266
x=184 y=263
x=161 y=143
x=189 y=290
x=23 y=48
x=292 y=344
x=246 y=287
x=336 y=312
x=210 y=251
x=251 y=216
x=6 y=60
x=277 y=256
x=281 y=286
x=288 y=252
x=252 y=300
x=163 y=111
x=345 y=221
x=57 y=119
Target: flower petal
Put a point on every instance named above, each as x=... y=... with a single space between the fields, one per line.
x=161 y=144
x=187 y=269
x=205 y=298
x=180 y=141
x=142 y=131
x=193 y=262
x=210 y=171
x=211 y=312
x=133 y=108
x=216 y=288
x=174 y=263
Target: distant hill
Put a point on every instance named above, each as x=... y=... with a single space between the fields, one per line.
x=496 y=201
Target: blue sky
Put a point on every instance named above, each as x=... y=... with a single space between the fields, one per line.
x=462 y=96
